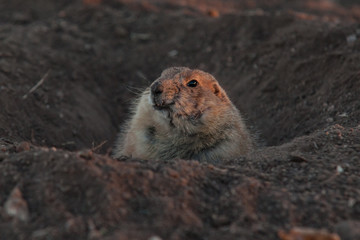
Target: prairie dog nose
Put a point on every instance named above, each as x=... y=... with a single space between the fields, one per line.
x=157 y=88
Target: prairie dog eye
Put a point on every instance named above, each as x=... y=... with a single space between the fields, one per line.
x=192 y=83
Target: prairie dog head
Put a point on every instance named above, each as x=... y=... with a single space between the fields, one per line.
x=186 y=94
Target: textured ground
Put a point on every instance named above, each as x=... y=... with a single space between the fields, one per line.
x=293 y=70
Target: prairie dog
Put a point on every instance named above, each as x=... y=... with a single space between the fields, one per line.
x=184 y=114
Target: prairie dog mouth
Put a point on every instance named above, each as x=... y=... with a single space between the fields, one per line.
x=161 y=105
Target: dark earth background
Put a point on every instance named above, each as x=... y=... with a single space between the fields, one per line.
x=291 y=67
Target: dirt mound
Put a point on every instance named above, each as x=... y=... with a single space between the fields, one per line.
x=70 y=70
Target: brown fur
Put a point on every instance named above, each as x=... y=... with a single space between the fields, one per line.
x=172 y=120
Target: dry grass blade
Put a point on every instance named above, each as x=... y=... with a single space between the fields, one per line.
x=37 y=85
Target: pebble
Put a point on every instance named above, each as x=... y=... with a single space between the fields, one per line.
x=351 y=38
x=16 y=206
x=23 y=146
x=343 y=114
x=330 y=120
x=339 y=169
x=331 y=108
x=213 y=13
x=154 y=238
x=173 y=53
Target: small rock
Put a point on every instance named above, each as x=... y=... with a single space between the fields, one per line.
x=343 y=114
x=351 y=38
x=93 y=232
x=339 y=169
x=75 y=225
x=86 y=154
x=331 y=108
x=42 y=233
x=154 y=238
x=351 y=202
x=23 y=146
x=60 y=94
x=16 y=206
x=330 y=120
x=213 y=13
x=173 y=53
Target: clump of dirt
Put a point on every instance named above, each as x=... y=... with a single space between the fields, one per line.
x=70 y=70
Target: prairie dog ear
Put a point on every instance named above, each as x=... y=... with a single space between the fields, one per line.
x=218 y=91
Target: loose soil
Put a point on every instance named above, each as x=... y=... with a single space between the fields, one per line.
x=293 y=70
